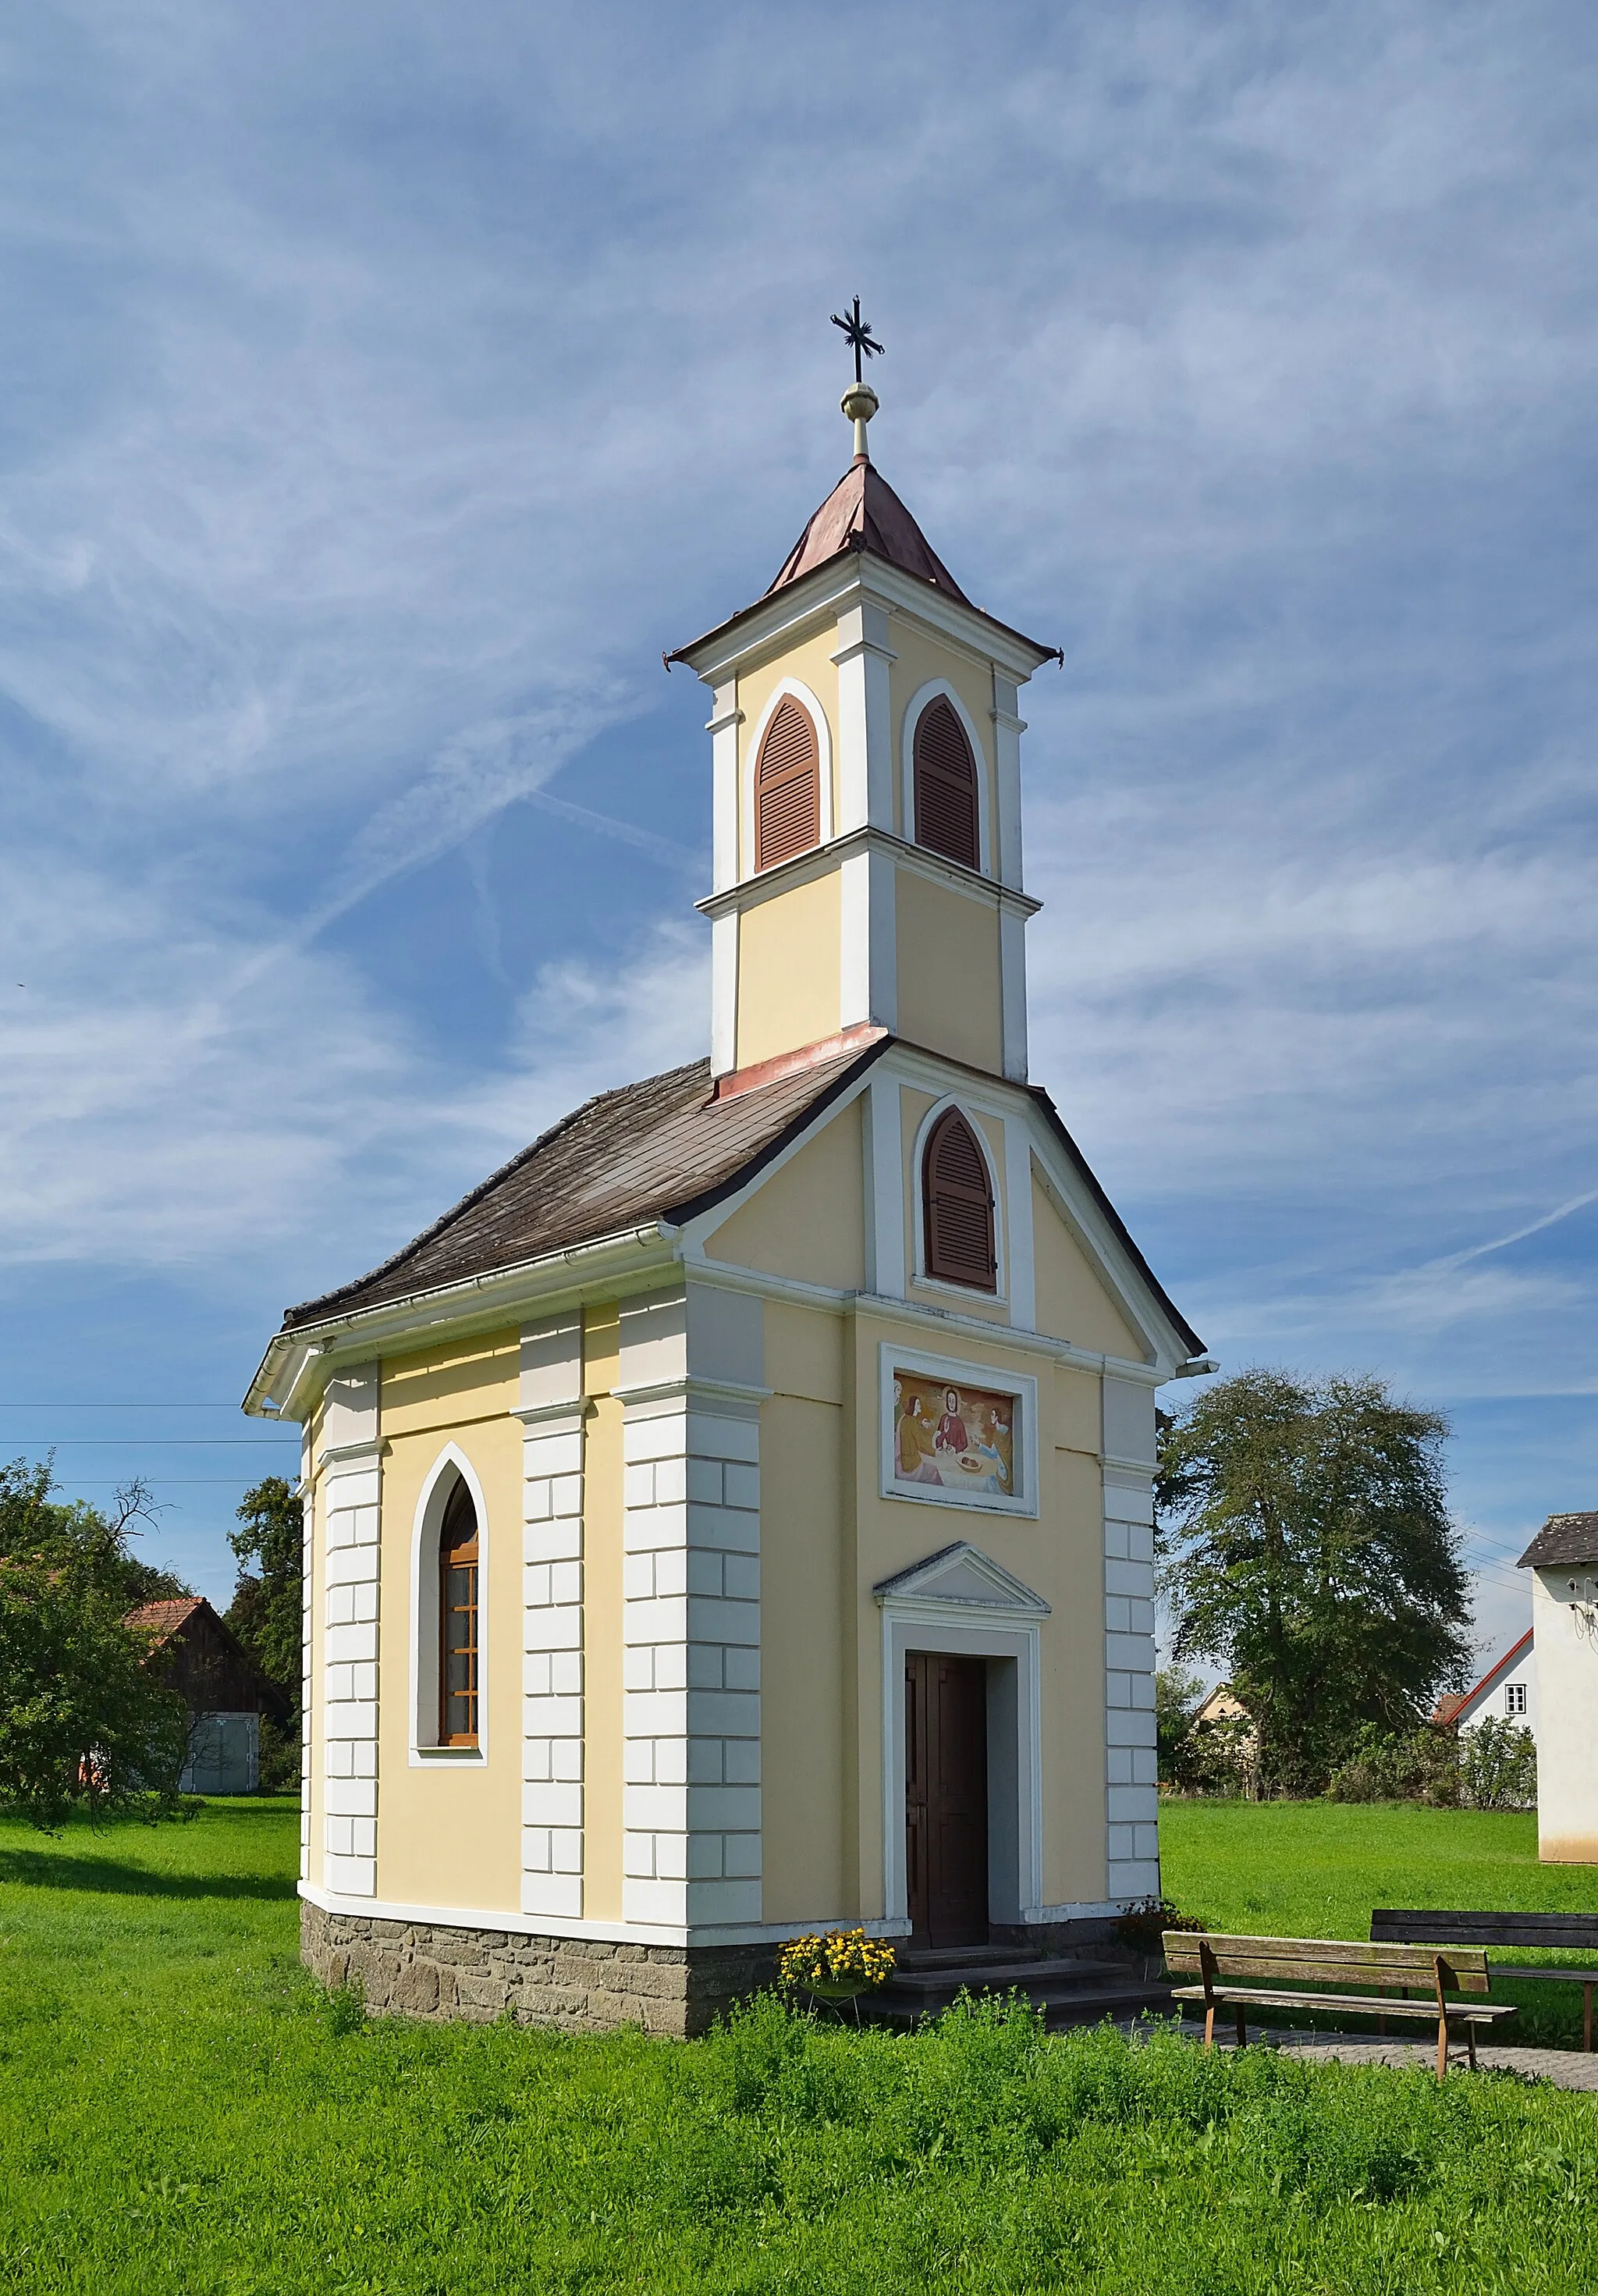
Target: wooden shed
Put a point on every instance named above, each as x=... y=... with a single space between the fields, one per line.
x=197 y=1654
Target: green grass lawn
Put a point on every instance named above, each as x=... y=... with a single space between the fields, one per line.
x=181 y=2109
x=1317 y=1869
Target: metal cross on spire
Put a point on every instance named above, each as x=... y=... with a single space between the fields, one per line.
x=857 y=334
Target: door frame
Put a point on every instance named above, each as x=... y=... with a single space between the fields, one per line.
x=1007 y=1628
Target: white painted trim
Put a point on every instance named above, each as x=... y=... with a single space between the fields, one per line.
x=809 y=702
x=1008 y=728
x=1020 y=1384
x=968 y=1107
x=421 y=1627
x=807 y=606
x=724 y=993
x=1013 y=995
x=868 y=940
x=1018 y=1222
x=884 y=1184
x=566 y=1925
x=726 y=718
x=820 y=860
x=966 y=1631
x=919 y=702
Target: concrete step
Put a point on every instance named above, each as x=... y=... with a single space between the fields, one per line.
x=1004 y=1970
x=1069 y=1992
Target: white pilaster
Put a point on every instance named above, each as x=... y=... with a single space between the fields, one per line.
x=1131 y=1761
x=1012 y=993
x=690 y=1629
x=885 y=1188
x=1019 y=1266
x=726 y=718
x=352 y=1488
x=1007 y=731
x=551 y=1410
x=307 y=1630
x=868 y=953
x=692 y=1662
x=864 y=719
x=724 y=993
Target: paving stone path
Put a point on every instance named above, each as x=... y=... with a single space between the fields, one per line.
x=1565 y=2068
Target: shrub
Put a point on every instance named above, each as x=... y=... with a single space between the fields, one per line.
x=1398 y=1766
x=1498 y=1765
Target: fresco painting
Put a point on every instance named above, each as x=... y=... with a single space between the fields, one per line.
x=961 y=1437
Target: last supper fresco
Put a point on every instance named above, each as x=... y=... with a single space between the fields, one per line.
x=963 y=1438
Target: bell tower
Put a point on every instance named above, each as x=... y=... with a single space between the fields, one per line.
x=865 y=742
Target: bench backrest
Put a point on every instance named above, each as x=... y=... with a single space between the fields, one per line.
x=1295 y=1962
x=1567 y=1933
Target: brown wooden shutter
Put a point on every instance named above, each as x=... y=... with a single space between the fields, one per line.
x=958 y=1206
x=946 y=786
x=787 y=787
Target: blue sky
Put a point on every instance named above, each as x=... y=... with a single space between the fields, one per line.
x=386 y=386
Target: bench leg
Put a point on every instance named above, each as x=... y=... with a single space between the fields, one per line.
x=1470 y=2045
x=1586 y=2018
x=1242 y=2028
x=1442 y=2049
x=1209 y=2026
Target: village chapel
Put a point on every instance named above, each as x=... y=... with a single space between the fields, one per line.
x=732 y=1519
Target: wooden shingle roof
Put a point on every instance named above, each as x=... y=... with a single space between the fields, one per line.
x=659 y=1150
x=1563 y=1539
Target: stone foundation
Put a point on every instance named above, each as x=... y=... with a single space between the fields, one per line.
x=583 y=1985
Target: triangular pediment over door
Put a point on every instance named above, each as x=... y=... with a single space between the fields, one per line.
x=963 y=1574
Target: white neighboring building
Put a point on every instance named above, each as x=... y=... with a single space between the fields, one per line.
x=1506 y=1693
x=1563 y=1561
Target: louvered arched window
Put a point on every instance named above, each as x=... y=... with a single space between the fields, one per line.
x=787 y=786
x=458 y=1620
x=946 y=818
x=957 y=1206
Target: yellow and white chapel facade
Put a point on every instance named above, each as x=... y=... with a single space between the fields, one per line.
x=733 y=1518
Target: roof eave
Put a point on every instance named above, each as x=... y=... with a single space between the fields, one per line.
x=287 y=1377
x=704 y=653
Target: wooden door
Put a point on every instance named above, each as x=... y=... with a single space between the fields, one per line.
x=945 y=1798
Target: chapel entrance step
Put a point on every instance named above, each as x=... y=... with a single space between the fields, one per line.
x=1069 y=1989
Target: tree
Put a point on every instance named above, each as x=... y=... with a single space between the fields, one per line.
x=265 y=1613
x=82 y=1718
x=36 y=1527
x=1178 y=1695
x=1305 y=1544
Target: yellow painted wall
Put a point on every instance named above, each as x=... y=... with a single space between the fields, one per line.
x=1072 y=1303
x=811 y=664
x=788 y=970
x=1061 y=1554
x=807 y=1219
x=949 y=972
x=603 y=1753
x=921 y=657
x=450 y=1834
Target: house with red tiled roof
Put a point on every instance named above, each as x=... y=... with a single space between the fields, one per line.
x=1506 y=1693
x=733 y=1518
x=197 y=1654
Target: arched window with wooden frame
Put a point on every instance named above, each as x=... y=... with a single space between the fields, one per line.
x=787 y=786
x=947 y=813
x=458 y=1550
x=957 y=1206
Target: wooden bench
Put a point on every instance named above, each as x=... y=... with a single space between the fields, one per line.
x=1279 y=1971
x=1551 y=1933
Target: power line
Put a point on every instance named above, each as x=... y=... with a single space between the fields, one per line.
x=142 y=1442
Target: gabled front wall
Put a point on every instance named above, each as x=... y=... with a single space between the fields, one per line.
x=685 y=1517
